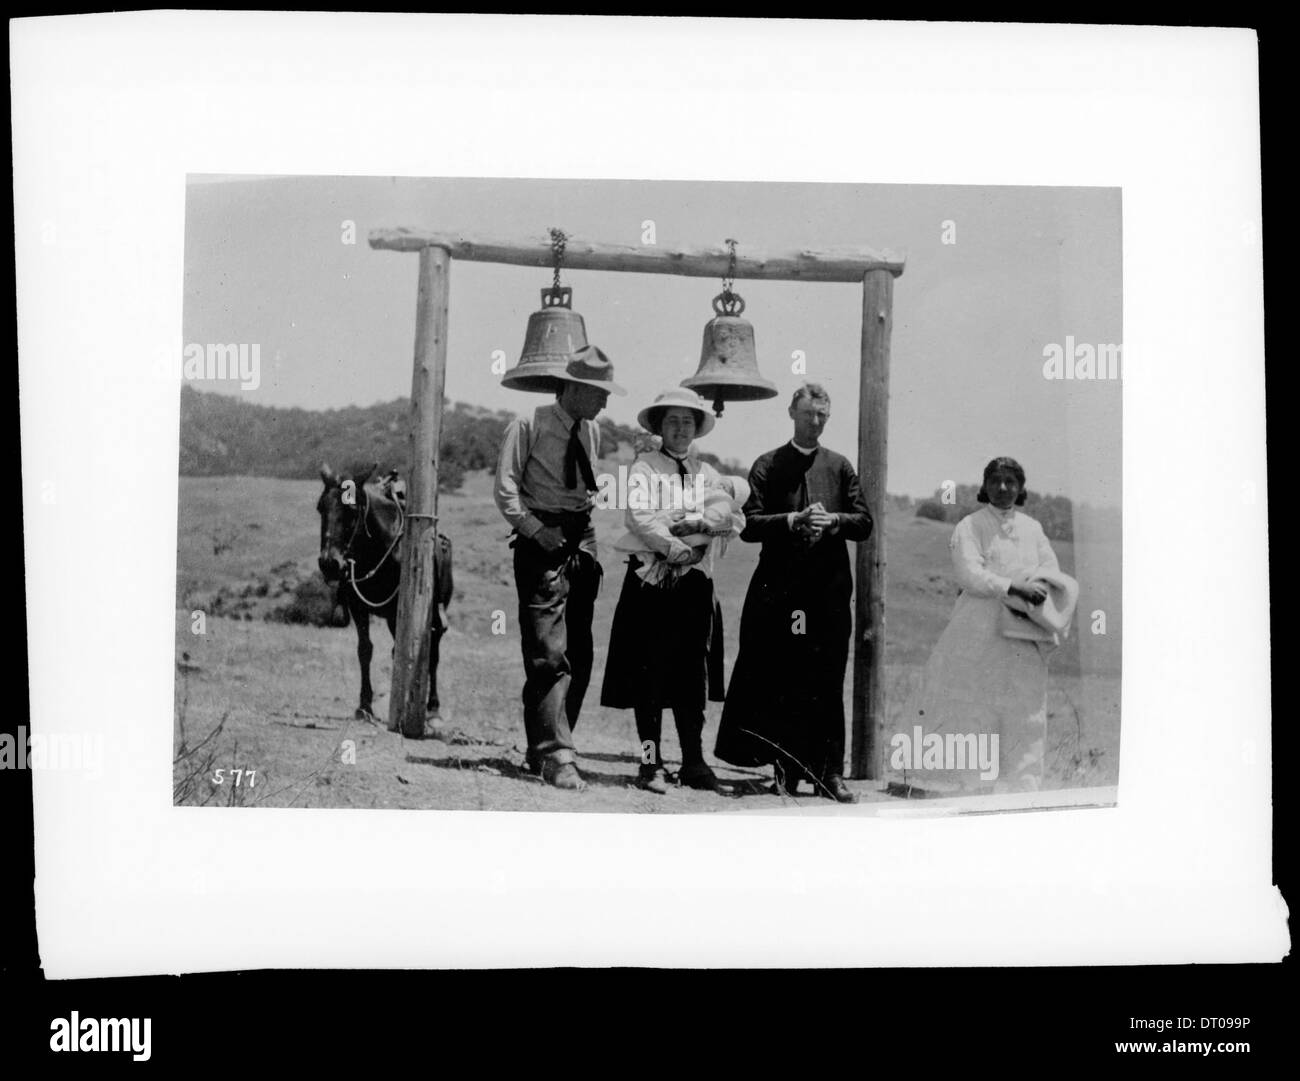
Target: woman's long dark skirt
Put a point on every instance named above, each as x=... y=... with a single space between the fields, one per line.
x=665 y=648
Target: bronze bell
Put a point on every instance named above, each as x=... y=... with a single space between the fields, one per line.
x=554 y=334
x=728 y=369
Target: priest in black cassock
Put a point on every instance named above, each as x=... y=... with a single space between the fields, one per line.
x=785 y=702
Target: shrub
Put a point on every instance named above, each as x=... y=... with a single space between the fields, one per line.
x=315 y=603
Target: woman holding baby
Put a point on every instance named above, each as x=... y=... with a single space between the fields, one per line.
x=665 y=648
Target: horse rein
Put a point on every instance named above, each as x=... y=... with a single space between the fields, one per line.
x=363 y=518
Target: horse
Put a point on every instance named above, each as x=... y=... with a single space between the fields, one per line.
x=361 y=527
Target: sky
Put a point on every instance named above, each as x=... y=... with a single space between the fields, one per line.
x=266 y=262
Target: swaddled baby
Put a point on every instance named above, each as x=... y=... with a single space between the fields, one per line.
x=707 y=526
x=715 y=516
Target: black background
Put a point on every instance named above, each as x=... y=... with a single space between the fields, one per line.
x=603 y=1021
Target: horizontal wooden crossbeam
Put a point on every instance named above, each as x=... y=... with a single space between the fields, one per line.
x=826 y=265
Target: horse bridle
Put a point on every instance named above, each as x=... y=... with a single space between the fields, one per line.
x=363 y=518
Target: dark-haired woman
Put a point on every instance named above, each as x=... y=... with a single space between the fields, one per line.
x=979 y=682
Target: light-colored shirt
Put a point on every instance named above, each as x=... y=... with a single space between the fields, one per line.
x=990 y=548
x=530 y=470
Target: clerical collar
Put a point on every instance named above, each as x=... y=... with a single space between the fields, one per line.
x=805 y=451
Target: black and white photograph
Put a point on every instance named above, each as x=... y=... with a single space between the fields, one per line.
x=722 y=496
x=544 y=492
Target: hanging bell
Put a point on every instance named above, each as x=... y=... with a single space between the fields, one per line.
x=728 y=369
x=554 y=334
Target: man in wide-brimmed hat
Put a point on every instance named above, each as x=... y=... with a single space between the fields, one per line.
x=544 y=488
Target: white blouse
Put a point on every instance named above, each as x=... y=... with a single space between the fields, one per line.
x=991 y=547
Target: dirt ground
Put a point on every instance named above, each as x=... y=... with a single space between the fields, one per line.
x=278 y=699
x=296 y=729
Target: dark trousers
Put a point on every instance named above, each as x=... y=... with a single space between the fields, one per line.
x=557 y=598
x=690 y=729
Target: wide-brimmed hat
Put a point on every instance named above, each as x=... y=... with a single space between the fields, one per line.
x=592 y=368
x=681 y=397
x=1056 y=611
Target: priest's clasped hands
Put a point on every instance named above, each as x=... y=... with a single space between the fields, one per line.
x=812 y=522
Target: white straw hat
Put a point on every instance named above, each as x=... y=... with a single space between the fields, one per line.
x=683 y=398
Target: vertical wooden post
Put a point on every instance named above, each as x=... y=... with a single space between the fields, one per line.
x=873 y=438
x=410 y=691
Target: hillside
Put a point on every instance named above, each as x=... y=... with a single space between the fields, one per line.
x=222 y=435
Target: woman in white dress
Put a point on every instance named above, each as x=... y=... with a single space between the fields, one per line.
x=980 y=682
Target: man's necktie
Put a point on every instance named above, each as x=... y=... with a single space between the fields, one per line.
x=576 y=460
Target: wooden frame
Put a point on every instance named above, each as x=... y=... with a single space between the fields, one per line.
x=876 y=271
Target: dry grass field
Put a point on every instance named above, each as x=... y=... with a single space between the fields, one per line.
x=278 y=699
